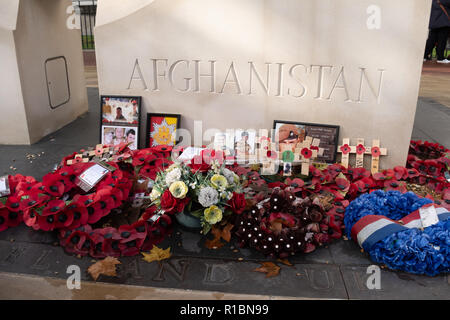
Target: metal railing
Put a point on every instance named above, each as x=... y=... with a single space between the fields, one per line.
x=87 y=11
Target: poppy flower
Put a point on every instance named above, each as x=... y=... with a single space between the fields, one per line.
x=394 y=185
x=342 y=183
x=110 y=242
x=64 y=219
x=306 y=153
x=30 y=218
x=79 y=213
x=345 y=149
x=53 y=207
x=358 y=173
x=164 y=149
x=78 y=242
x=375 y=151
x=68 y=177
x=360 y=149
x=434 y=168
x=400 y=172
x=295 y=185
x=157 y=231
x=276 y=184
x=364 y=184
x=46 y=223
x=13 y=204
x=131 y=240
x=4 y=213
x=336 y=169
x=53 y=184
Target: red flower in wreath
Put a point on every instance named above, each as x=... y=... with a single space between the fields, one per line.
x=131 y=240
x=306 y=153
x=360 y=149
x=197 y=164
x=375 y=152
x=295 y=185
x=168 y=202
x=237 y=203
x=79 y=213
x=345 y=149
x=4 y=219
x=79 y=241
x=13 y=204
x=53 y=207
x=46 y=223
x=395 y=185
x=53 y=184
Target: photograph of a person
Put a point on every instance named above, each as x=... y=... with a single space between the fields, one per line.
x=224 y=141
x=115 y=135
x=244 y=142
x=120 y=110
x=288 y=135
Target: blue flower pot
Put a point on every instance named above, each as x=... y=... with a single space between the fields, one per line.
x=188 y=221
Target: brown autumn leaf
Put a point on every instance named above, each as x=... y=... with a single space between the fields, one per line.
x=276 y=226
x=215 y=243
x=269 y=268
x=226 y=232
x=106 y=267
x=156 y=254
x=285 y=262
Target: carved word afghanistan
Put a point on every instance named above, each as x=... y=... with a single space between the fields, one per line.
x=274 y=79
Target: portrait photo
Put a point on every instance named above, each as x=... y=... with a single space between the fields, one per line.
x=115 y=135
x=120 y=110
x=224 y=141
x=244 y=141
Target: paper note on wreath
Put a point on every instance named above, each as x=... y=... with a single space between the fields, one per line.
x=91 y=176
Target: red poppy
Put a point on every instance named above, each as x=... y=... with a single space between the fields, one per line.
x=79 y=242
x=79 y=213
x=4 y=213
x=157 y=232
x=345 y=149
x=131 y=240
x=343 y=184
x=46 y=223
x=375 y=152
x=400 y=172
x=111 y=242
x=276 y=184
x=360 y=149
x=198 y=165
x=395 y=185
x=149 y=212
x=53 y=207
x=53 y=184
x=358 y=173
x=13 y=204
x=336 y=169
x=64 y=219
x=295 y=185
x=306 y=153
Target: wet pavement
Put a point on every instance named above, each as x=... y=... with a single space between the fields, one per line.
x=338 y=271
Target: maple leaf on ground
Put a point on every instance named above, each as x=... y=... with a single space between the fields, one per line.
x=215 y=243
x=285 y=262
x=269 y=268
x=226 y=232
x=156 y=254
x=106 y=267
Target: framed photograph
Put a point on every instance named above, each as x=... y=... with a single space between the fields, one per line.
x=120 y=110
x=224 y=141
x=162 y=129
x=289 y=133
x=244 y=142
x=114 y=135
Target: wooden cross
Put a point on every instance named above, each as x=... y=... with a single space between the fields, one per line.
x=86 y=156
x=310 y=153
x=360 y=150
x=269 y=159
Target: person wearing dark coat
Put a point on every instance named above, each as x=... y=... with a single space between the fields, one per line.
x=439 y=30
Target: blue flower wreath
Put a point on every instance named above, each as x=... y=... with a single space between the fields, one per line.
x=413 y=250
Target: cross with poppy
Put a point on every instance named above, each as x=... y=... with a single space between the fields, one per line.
x=86 y=156
x=306 y=151
x=269 y=159
x=360 y=149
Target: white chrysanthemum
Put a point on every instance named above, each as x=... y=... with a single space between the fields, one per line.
x=173 y=176
x=208 y=196
x=229 y=175
x=155 y=194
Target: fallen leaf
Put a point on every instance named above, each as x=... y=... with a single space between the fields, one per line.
x=226 y=232
x=215 y=243
x=285 y=262
x=157 y=254
x=276 y=226
x=106 y=267
x=269 y=268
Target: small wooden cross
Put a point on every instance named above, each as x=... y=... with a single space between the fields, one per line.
x=306 y=152
x=269 y=159
x=360 y=150
x=86 y=156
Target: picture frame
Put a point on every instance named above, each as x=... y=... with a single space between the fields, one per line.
x=293 y=132
x=162 y=129
x=120 y=114
x=113 y=135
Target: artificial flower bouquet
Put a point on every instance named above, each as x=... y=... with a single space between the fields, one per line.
x=211 y=195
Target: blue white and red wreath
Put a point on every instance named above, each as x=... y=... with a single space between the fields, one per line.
x=387 y=225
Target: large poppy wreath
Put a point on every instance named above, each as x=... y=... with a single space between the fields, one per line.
x=57 y=203
x=387 y=225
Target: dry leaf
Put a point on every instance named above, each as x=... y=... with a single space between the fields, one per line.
x=276 y=226
x=285 y=262
x=156 y=254
x=226 y=232
x=269 y=268
x=106 y=267
x=215 y=243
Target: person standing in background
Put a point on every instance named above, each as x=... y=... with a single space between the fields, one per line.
x=439 y=30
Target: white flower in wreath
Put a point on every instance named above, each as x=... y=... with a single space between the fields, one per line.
x=229 y=175
x=155 y=194
x=173 y=176
x=208 y=196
